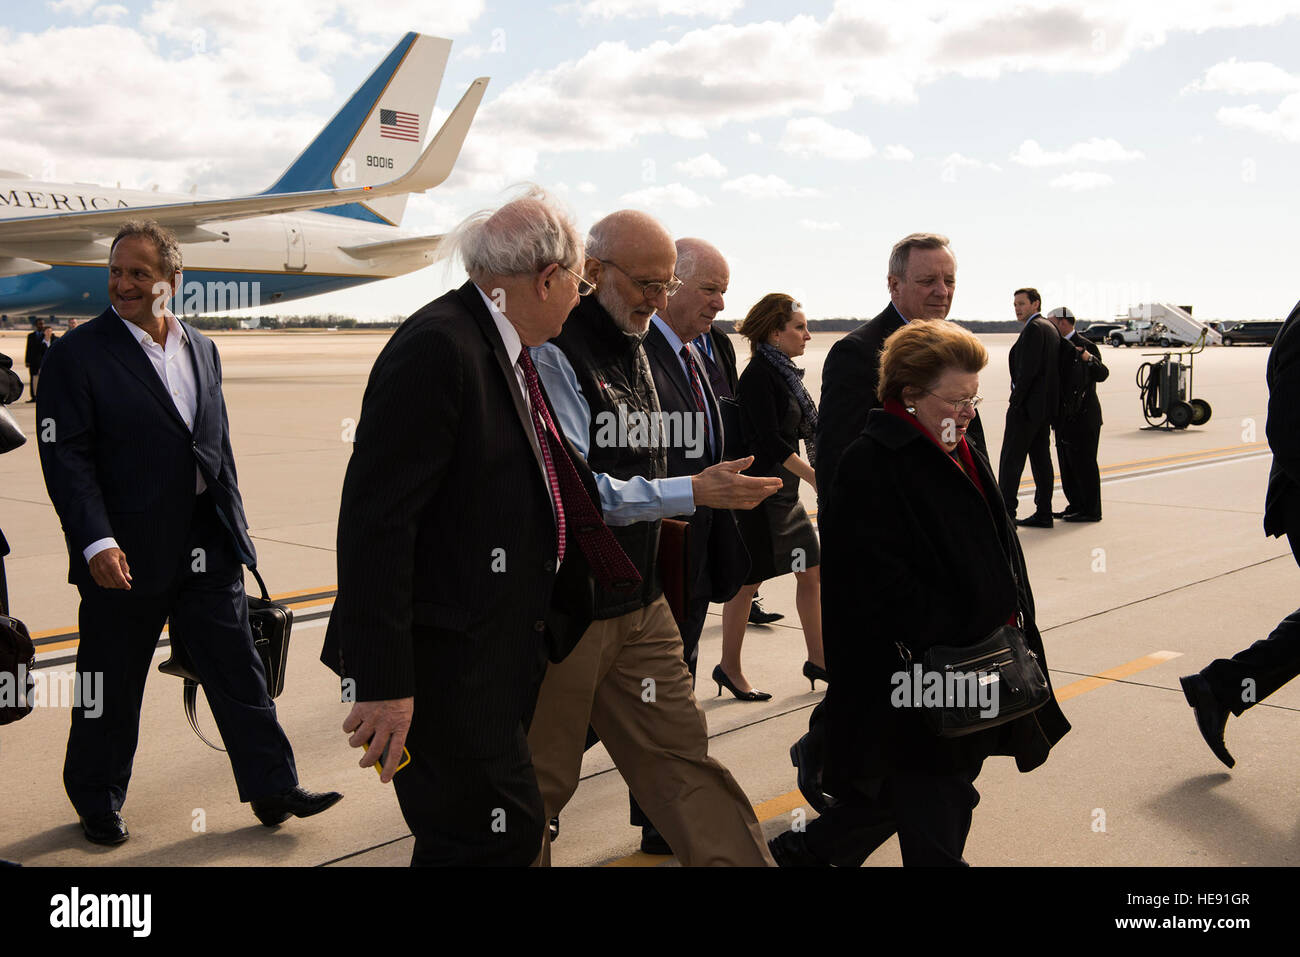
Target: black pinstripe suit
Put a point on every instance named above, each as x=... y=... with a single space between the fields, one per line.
x=448 y=589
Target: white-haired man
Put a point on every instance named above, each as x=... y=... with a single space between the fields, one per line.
x=464 y=535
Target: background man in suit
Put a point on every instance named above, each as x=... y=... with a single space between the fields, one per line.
x=460 y=502
x=685 y=392
x=922 y=280
x=597 y=374
x=38 y=343
x=1248 y=677
x=1078 y=430
x=138 y=464
x=717 y=562
x=720 y=363
x=1035 y=397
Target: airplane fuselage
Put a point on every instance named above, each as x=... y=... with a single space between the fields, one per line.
x=269 y=259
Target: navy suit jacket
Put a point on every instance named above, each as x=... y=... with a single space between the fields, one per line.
x=119 y=460
x=718 y=555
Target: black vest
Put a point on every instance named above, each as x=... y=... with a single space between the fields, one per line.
x=624 y=441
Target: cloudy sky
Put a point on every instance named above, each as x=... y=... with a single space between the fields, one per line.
x=1107 y=152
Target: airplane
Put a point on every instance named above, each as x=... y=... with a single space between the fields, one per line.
x=329 y=222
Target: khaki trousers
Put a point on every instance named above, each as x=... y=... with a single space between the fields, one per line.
x=628 y=680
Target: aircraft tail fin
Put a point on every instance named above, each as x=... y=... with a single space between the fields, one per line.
x=377 y=135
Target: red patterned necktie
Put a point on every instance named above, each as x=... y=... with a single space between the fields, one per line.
x=609 y=563
x=694 y=375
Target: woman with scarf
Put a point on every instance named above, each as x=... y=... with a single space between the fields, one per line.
x=776 y=411
x=922 y=539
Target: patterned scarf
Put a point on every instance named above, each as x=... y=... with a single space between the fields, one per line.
x=793 y=378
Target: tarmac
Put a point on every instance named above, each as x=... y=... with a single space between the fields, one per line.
x=1178 y=573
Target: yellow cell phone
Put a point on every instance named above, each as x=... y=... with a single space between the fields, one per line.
x=379 y=765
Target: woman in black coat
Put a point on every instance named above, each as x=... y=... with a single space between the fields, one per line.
x=776 y=411
x=922 y=539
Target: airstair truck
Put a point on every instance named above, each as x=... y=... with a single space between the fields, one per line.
x=1179 y=328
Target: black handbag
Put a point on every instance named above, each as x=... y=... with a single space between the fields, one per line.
x=11 y=434
x=17 y=662
x=983 y=685
x=270 y=623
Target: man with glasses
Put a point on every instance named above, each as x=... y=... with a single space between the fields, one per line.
x=628 y=678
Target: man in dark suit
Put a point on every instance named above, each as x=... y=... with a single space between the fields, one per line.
x=922 y=280
x=38 y=343
x=11 y=387
x=1231 y=685
x=718 y=560
x=135 y=446
x=1035 y=397
x=1078 y=427
x=463 y=537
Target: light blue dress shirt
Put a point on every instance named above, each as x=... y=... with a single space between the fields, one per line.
x=624 y=501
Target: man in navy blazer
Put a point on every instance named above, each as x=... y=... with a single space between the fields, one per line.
x=135 y=447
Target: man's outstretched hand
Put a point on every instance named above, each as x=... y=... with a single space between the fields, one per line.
x=722 y=485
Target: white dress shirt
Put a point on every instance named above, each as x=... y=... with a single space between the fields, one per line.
x=175 y=368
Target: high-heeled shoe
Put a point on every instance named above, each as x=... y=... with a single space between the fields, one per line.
x=753 y=694
x=812 y=672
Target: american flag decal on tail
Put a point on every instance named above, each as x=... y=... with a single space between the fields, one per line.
x=397 y=125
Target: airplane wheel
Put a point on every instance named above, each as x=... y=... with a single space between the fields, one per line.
x=1180 y=415
x=1200 y=411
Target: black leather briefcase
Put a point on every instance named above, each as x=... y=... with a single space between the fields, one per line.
x=270 y=623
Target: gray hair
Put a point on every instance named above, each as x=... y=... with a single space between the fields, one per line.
x=902 y=250
x=524 y=236
x=164 y=240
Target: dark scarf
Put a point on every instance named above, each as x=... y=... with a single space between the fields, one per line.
x=792 y=375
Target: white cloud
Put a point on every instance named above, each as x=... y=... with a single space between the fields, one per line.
x=1095 y=150
x=610 y=9
x=1081 y=180
x=77 y=8
x=704 y=166
x=1283 y=122
x=1244 y=77
x=110 y=11
x=771 y=186
x=896 y=151
x=813 y=137
x=819 y=226
x=752 y=138
x=586 y=187
x=674 y=194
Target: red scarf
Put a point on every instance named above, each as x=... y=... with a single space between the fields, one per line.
x=963 y=460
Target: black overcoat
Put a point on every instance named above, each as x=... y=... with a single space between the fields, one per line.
x=916 y=555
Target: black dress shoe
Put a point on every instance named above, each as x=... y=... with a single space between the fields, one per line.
x=554 y=827
x=1036 y=521
x=757 y=616
x=789 y=850
x=295 y=801
x=107 y=828
x=1080 y=517
x=652 y=842
x=1068 y=511
x=809 y=776
x=1211 y=716
x=722 y=680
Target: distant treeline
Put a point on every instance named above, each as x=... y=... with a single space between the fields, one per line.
x=848 y=325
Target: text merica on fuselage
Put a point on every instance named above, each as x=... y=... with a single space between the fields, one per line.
x=35 y=199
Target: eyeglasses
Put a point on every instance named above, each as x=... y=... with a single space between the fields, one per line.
x=958 y=405
x=585 y=286
x=650 y=290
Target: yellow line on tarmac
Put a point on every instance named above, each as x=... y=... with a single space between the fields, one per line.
x=785 y=803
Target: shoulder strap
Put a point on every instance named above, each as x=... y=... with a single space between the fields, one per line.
x=191 y=693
